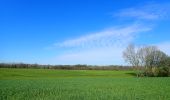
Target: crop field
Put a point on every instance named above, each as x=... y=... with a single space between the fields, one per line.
x=47 y=84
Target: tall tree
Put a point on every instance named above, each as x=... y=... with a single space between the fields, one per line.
x=130 y=55
x=150 y=56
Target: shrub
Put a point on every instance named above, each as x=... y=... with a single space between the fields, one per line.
x=163 y=71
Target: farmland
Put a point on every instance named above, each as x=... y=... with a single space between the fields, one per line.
x=48 y=84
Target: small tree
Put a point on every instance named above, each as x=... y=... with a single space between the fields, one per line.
x=130 y=55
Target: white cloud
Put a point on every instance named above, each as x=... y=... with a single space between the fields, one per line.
x=105 y=47
x=151 y=11
x=110 y=37
x=99 y=48
x=139 y=14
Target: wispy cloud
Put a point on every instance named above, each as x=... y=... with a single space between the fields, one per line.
x=106 y=38
x=105 y=46
x=150 y=11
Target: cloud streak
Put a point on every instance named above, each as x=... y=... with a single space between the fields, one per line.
x=101 y=48
x=151 y=11
x=105 y=47
x=106 y=38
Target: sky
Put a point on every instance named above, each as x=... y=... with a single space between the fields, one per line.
x=93 y=32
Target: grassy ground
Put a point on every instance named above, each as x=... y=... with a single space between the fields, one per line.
x=39 y=84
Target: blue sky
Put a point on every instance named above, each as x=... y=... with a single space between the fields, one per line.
x=91 y=32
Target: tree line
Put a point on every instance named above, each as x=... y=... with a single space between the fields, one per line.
x=147 y=60
x=65 y=67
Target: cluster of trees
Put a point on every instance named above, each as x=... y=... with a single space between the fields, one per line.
x=67 y=67
x=148 y=60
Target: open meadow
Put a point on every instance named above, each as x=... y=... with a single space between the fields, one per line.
x=85 y=50
x=47 y=84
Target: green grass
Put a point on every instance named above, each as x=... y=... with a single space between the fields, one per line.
x=49 y=74
x=44 y=84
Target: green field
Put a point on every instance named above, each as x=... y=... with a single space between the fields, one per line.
x=44 y=84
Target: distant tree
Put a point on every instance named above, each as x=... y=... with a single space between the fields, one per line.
x=130 y=55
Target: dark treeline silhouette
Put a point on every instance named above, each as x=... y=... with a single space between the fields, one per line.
x=65 y=67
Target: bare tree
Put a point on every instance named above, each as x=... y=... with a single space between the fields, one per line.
x=130 y=55
x=150 y=56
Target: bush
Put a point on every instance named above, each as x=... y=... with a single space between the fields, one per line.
x=156 y=72
x=163 y=71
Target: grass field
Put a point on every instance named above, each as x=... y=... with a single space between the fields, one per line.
x=44 y=84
